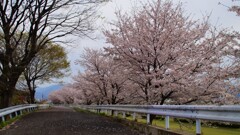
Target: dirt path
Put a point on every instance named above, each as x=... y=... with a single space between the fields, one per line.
x=65 y=121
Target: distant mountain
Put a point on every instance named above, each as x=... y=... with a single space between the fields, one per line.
x=43 y=92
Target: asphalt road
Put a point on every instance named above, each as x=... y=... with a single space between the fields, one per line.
x=65 y=121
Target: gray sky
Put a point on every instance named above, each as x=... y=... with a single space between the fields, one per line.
x=220 y=17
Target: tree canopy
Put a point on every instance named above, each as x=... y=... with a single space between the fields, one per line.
x=163 y=57
x=51 y=62
x=44 y=21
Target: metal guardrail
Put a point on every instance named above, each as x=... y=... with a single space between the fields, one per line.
x=16 y=110
x=12 y=107
x=43 y=106
x=224 y=113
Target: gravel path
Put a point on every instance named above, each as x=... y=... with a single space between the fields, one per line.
x=65 y=121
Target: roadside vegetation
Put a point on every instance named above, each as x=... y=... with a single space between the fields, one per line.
x=184 y=126
x=10 y=121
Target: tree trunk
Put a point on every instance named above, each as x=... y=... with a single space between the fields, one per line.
x=32 y=96
x=31 y=88
x=152 y=117
x=8 y=82
x=6 y=98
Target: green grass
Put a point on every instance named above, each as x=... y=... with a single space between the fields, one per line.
x=79 y=110
x=206 y=130
x=188 y=128
x=5 y=123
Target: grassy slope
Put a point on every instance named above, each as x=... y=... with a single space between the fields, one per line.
x=187 y=127
x=8 y=122
x=175 y=126
x=190 y=128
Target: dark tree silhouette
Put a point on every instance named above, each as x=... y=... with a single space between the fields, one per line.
x=43 y=21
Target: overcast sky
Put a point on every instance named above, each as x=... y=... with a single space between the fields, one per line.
x=197 y=8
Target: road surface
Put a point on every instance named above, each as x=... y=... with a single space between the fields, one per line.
x=65 y=121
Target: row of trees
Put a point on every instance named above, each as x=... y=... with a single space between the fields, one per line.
x=158 y=55
x=29 y=26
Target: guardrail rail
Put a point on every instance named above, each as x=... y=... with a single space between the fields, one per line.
x=14 y=111
x=225 y=113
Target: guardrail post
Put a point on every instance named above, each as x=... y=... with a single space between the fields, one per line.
x=3 y=118
x=167 y=122
x=21 y=112
x=148 y=119
x=116 y=113
x=124 y=115
x=198 y=127
x=98 y=111
x=106 y=112
x=16 y=114
x=134 y=116
x=110 y=112
x=10 y=115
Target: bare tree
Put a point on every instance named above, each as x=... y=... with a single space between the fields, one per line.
x=44 y=21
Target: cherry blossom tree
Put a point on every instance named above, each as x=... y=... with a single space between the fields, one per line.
x=234 y=8
x=234 y=56
x=107 y=76
x=87 y=89
x=55 y=97
x=158 y=55
x=66 y=95
x=172 y=58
